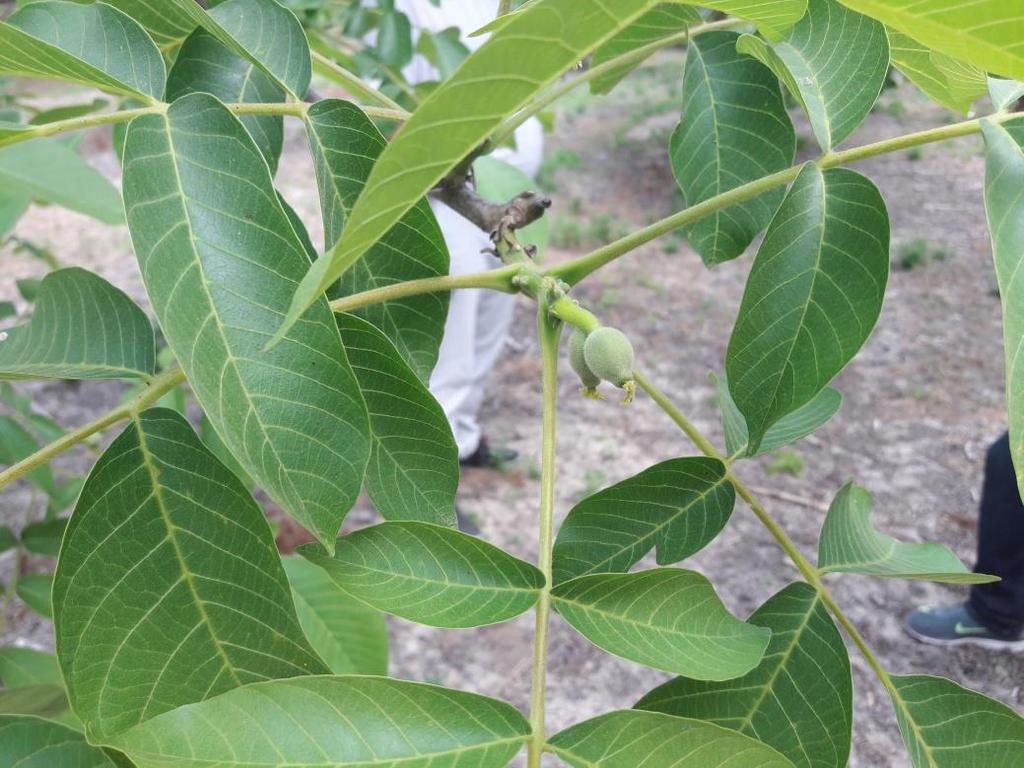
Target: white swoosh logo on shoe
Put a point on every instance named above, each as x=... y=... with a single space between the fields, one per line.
x=965 y=629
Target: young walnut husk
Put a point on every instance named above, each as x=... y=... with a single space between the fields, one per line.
x=608 y=353
x=578 y=363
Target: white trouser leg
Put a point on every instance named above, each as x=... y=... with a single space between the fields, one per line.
x=458 y=376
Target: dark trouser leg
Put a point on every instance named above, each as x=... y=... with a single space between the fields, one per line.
x=1000 y=606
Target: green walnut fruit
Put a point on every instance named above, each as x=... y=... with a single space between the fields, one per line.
x=579 y=364
x=609 y=354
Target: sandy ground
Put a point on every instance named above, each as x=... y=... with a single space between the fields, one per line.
x=921 y=402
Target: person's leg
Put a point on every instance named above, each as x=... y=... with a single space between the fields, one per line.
x=994 y=615
x=453 y=381
x=1000 y=605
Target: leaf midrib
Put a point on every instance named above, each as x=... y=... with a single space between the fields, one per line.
x=229 y=355
x=186 y=572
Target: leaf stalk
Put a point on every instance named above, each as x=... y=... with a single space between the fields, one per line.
x=158 y=387
x=549 y=331
x=574 y=270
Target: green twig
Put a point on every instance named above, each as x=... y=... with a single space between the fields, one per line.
x=550 y=331
x=353 y=83
x=500 y=279
x=158 y=387
x=574 y=270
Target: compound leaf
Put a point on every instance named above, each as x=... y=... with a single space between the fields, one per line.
x=430 y=574
x=350 y=637
x=627 y=739
x=947 y=726
x=666 y=618
x=834 y=62
x=414 y=462
x=206 y=65
x=532 y=49
x=849 y=544
x=95 y=45
x=678 y=506
x=261 y=31
x=663 y=21
x=799 y=700
x=790 y=428
x=169 y=590
x=987 y=33
x=734 y=130
x=814 y=293
x=1004 y=177
x=345 y=144
x=335 y=721
x=82 y=328
x=220 y=260
x=31 y=742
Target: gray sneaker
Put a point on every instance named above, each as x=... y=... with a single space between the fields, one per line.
x=954 y=625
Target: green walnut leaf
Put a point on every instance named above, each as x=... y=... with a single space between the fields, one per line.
x=1004 y=176
x=795 y=426
x=166 y=22
x=949 y=82
x=814 y=293
x=206 y=65
x=35 y=590
x=947 y=726
x=350 y=637
x=430 y=574
x=41 y=700
x=345 y=144
x=414 y=462
x=82 y=328
x=772 y=17
x=261 y=31
x=849 y=544
x=220 y=260
x=666 y=618
x=628 y=739
x=31 y=742
x=988 y=33
x=170 y=590
x=444 y=49
x=94 y=45
x=50 y=171
x=332 y=721
x=16 y=443
x=27 y=666
x=534 y=48
x=834 y=63
x=43 y=537
x=678 y=506
x=799 y=700
x=734 y=130
x=663 y=21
